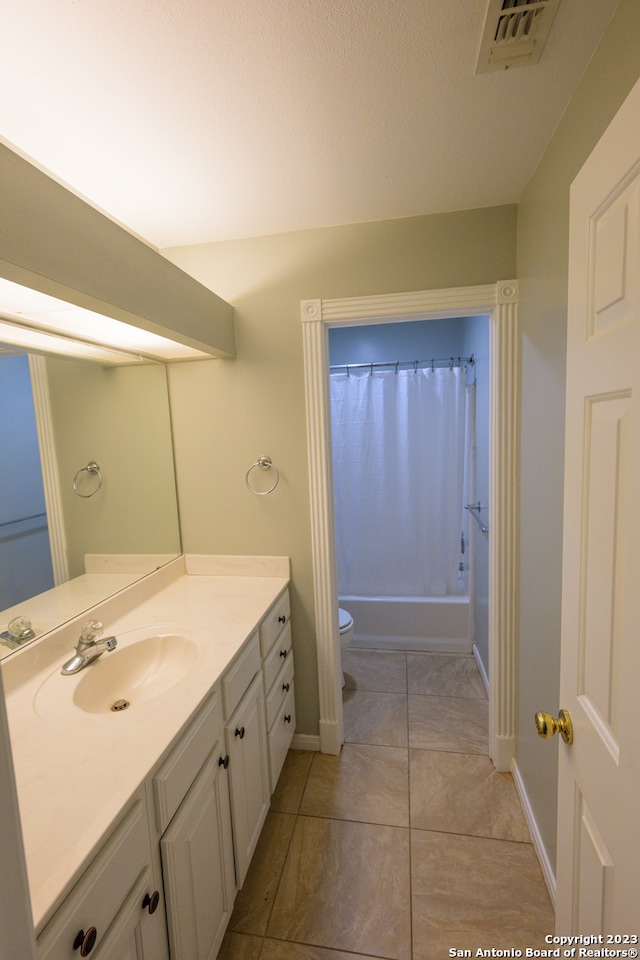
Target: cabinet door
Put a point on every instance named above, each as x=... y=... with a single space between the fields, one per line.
x=281 y=735
x=249 y=774
x=136 y=934
x=94 y=908
x=197 y=864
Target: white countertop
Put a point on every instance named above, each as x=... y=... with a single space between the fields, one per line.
x=75 y=771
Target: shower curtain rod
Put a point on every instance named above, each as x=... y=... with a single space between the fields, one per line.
x=444 y=362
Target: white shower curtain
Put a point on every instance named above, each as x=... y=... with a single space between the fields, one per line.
x=398 y=459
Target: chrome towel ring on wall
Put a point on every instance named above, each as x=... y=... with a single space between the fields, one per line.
x=93 y=469
x=262 y=463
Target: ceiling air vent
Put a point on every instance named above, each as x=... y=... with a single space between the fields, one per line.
x=514 y=33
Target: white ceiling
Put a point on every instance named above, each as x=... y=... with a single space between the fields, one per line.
x=198 y=120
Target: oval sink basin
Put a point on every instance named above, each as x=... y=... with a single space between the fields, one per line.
x=137 y=673
x=130 y=675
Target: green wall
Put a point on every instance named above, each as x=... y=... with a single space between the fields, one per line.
x=543 y=239
x=226 y=413
x=118 y=416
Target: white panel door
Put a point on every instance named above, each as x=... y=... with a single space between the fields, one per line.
x=599 y=781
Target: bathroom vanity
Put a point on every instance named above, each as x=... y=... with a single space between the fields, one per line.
x=140 y=822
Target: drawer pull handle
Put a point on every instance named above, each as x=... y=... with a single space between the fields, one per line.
x=224 y=761
x=282 y=619
x=85 y=942
x=240 y=732
x=283 y=653
x=287 y=718
x=285 y=686
x=151 y=902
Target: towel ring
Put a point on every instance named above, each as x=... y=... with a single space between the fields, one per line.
x=262 y=463
x=93 y=468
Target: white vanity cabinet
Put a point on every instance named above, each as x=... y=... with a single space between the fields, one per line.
x=112 y=912
x=162 y=884
x=245 y=736
x=278 y=676
x=191 y=799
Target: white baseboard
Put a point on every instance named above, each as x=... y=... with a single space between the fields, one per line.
x=305 y=741
x=481 y=668
x=370 y=641
x=545 y=865
x=502 y=751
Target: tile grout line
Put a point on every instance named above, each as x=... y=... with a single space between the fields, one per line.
x=284 y=859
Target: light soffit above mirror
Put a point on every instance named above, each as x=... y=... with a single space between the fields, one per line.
x=38 y=322
x=53 y=242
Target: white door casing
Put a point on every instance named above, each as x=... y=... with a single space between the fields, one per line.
x=598 y=868
x=49 y=464
x=500 y=302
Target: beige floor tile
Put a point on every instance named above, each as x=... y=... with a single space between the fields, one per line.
x=280 y=950
x=444 y=676
x=446 y=723
x=239 y=946
x=375 y=670
x=346 y=886
x=365 y=782
x=254 y=902
x=460 y=793
x=290 y=786
x=375 y=718
x=469 y=892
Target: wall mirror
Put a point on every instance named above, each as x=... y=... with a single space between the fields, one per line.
x=111 y=523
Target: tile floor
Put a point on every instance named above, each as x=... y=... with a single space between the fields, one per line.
x=405 y=846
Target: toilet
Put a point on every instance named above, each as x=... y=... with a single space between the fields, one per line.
x=345 y=623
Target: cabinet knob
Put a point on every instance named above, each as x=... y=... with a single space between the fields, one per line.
x=282 y=619
x=285 y=686
x=240 y=732
x=151 y=902
x=85 y=942
x=224 y=761
x=283 y=653
x=287 y=718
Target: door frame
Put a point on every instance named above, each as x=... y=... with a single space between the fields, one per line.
x=49 y=464
x=500 y=302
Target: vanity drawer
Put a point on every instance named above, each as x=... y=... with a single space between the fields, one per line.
x=97 y=897
x=273 y=623
x=279 y=690
x=272 y=665
x=239 y=675
x=280 y=736
x=177 y=773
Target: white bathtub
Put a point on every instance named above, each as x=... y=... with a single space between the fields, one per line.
x=437 y=624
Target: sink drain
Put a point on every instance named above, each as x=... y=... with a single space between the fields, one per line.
x=120 y=705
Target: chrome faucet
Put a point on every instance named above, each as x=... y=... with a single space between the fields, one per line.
x=89 y=647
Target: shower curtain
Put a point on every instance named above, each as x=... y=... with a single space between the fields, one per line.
x=399 y=475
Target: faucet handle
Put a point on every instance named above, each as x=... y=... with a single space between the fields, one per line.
x=20 y=629
x=91 y=630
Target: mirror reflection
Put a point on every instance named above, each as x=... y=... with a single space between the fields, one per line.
x=87 y=486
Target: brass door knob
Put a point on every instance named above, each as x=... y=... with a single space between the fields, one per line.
x=547 y=726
